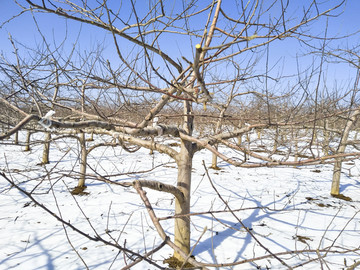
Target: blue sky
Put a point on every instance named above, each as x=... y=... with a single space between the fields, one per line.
x=23 y=30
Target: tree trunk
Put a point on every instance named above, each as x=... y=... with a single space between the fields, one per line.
x=335 y=185
x=83 y=160
x=152 y=142
x=276 y=140
x=326 y=140
x=16 y=139
x=217 y=130
x=214 y=160
x=182 y=225
x=184 y=163
x=46 y=150
x=27 y=143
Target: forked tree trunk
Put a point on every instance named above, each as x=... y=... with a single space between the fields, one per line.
x=83 y=160
x=46 y=150
x=184 y=160
x=335 y=186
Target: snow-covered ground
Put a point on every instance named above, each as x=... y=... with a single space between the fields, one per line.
x=287 y=209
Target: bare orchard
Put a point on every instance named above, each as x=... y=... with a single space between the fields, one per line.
x=168 y=96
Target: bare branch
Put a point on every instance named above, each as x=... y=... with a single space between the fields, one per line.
x=156 y=185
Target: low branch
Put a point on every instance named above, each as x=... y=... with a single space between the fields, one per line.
x=247 y=151
x=156 y=185
x=311 y=161
x=159 y=228
x=22 y=123
x=146 y=255
x=352 y=267
x=95 y=238
x=147 y=131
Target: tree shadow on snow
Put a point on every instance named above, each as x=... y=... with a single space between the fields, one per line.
x=239 y=234
x=24 y=258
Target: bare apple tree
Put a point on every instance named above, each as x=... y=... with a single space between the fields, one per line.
x=350 y=117
x=197 y=63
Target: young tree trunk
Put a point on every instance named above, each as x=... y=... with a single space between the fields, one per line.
x=27 y=143
x=326 y=138
x=83 y=160
x=214 y=160
x=184 y=163
x=217 y=130
x=276 y=140
x=152 y=142
x=182 y=225
x=16 y=139
x=335 y=186
x=46 y=150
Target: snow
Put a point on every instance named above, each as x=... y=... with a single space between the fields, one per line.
x=286 y=209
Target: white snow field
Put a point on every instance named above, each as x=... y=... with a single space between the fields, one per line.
x=285 y=208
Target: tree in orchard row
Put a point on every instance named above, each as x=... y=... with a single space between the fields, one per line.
x=197 y=59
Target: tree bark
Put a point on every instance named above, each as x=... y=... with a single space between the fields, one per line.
x=214 y=160
x=184 y=163
x=182 y=224
x=16 y=139
x=83 y=160
x=27 y=143
x=46 y=150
